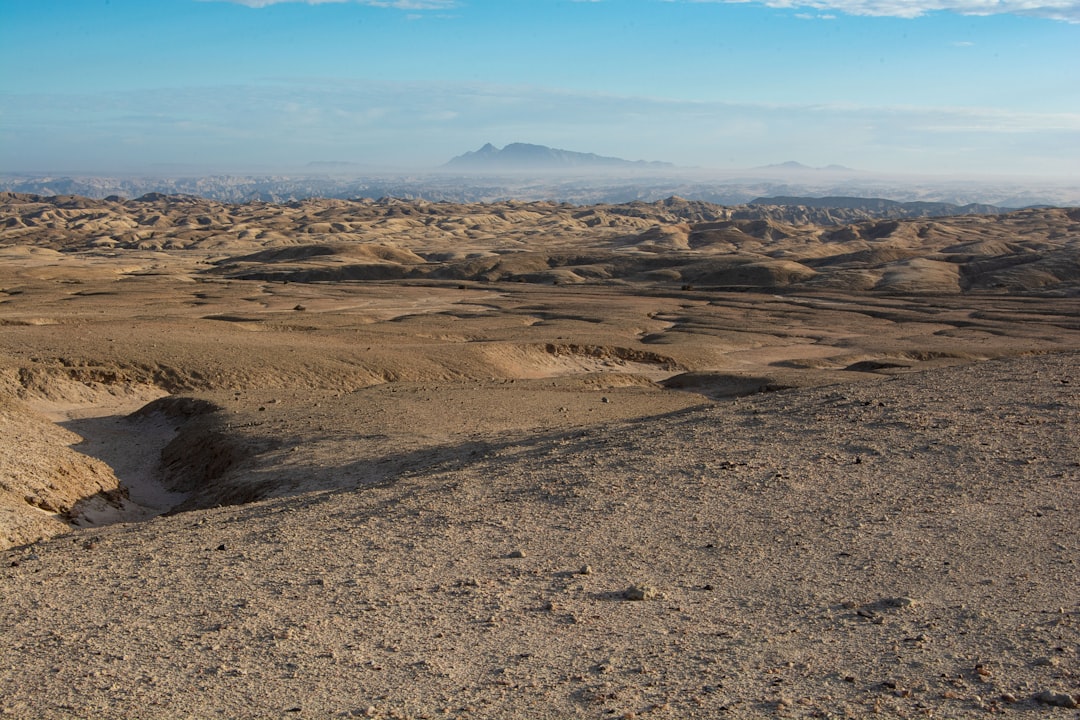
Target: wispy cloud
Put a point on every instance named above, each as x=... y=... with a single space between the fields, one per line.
x=1063 y=10
x=398 y=4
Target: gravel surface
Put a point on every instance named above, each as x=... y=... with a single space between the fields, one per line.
x=906 y=548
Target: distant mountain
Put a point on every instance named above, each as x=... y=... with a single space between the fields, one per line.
x=332 y=165
x=792 y=165
x=777 y=197
x=524 y=157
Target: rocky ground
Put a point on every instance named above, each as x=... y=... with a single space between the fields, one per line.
x=538 y=467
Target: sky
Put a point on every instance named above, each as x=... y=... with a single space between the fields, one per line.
x=966 y=88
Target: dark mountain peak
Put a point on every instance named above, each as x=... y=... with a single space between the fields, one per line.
x=520 y=156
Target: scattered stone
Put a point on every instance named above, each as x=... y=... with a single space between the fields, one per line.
x=1008 y=697
x=1048 y=697
x=585 y=570
x=516 y=554
x=640 y=592
x=300 y=307
x=220 y=547
x=897 y=602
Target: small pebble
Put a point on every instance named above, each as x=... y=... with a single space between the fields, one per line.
x=1064 y=700
x=898 y=602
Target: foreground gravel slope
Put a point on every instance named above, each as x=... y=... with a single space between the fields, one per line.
x=906 y=547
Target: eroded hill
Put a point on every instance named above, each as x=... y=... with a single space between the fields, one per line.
x=670 y=243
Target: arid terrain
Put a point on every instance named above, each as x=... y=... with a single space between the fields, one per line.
x=533 y=460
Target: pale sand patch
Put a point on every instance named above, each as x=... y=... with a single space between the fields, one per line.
x=132 y=448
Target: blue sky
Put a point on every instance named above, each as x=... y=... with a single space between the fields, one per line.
x=948 y=87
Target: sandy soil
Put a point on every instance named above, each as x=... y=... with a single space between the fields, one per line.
x=470 y=492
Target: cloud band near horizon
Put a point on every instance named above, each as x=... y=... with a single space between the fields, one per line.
x=424 y=124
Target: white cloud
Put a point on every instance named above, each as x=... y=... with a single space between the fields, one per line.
x=1064 y=10
x=264 y=3
x=412 y=4
x=398 y=4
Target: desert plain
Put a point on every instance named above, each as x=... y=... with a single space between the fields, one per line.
x=399 y=459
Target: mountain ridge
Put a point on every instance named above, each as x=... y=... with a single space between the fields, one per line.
x=796 y=166
x=527 y=156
